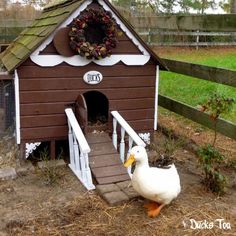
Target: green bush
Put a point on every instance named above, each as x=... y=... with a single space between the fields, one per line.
x=211 y=160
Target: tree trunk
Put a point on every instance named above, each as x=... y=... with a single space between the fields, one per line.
x=233 y=6
x=203 y=6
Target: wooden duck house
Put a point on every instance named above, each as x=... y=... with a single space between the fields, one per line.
x=81 y=54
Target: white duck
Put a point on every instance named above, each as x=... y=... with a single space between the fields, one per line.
x=156 y=184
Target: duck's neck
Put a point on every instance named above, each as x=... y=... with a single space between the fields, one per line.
x=143 y=164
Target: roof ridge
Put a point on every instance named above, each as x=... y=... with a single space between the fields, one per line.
x=58 y=3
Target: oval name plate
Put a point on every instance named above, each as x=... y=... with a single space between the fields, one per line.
x=93 y=77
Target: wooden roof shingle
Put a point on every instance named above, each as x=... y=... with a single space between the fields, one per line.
x=30 y=38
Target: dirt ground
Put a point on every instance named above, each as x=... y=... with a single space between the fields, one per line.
x=30 y=207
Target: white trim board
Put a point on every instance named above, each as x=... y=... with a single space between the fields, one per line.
x=17 y=107
x=30 y=147
x=54 y=60
x=156 y=97
x=76 y=60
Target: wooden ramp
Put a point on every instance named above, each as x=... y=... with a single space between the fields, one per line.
x=104 y=160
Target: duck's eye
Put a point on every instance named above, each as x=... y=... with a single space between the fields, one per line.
x=137 y=151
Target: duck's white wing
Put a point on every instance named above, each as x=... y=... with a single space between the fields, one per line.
x=157 y=184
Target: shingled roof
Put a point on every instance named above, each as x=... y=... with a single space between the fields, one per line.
x=52 y=16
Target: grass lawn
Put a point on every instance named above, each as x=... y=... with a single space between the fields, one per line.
x=195 y=91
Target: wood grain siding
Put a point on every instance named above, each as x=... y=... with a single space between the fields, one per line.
x=124 y=46
x=132 y=115
x=36 y=109
x=43 y=120
x=45 y=84
x=132 y=104
x=70 y=71
x=46 y=92
x=44 y=133
x=142 y=125
x=57 y=107
x=60 y=119
x=70 y=95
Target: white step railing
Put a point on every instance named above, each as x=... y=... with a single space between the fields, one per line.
x=132 y=136
x=79 y=150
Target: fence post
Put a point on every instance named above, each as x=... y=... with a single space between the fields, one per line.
x=197 y=40
x=149 y=36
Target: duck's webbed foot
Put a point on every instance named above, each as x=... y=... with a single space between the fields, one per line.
x=153 y=208
x=151 y=205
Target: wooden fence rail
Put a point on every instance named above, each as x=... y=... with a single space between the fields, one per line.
x=218 y=23
x=223 y=23
x=224 y=127
x=185 y=33
x=186 y=30
x=213 y=74
x=156 y=37
x=194 y=44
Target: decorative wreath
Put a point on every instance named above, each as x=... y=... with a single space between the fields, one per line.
x=95 y=19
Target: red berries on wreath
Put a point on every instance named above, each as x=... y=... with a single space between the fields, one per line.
x=93 y=34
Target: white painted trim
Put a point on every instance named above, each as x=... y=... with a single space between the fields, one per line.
x=88 y=186
x=17 y=107
x=124 y=28
x=79 y=150
x=133 y=137
x=76 y=60
x=128 y=129
x=145 y=137
x=30 y=147
x=4 y=73
x=53 y=60
x=156 y=97
x=77 y=131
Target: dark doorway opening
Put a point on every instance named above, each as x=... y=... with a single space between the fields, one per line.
x=98 y=106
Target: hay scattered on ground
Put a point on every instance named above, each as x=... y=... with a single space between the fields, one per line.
x=89 y=215
x=198 y=134
x=8 y=152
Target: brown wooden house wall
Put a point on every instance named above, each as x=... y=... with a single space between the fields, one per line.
x=46 y=91
x=124 y=46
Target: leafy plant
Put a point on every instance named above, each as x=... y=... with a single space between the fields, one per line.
x=216 y=105
x=232 y=163
x=211 y=160
x=166 y=150
x=50 y=173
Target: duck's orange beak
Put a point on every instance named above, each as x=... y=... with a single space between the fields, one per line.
x=129 y=161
